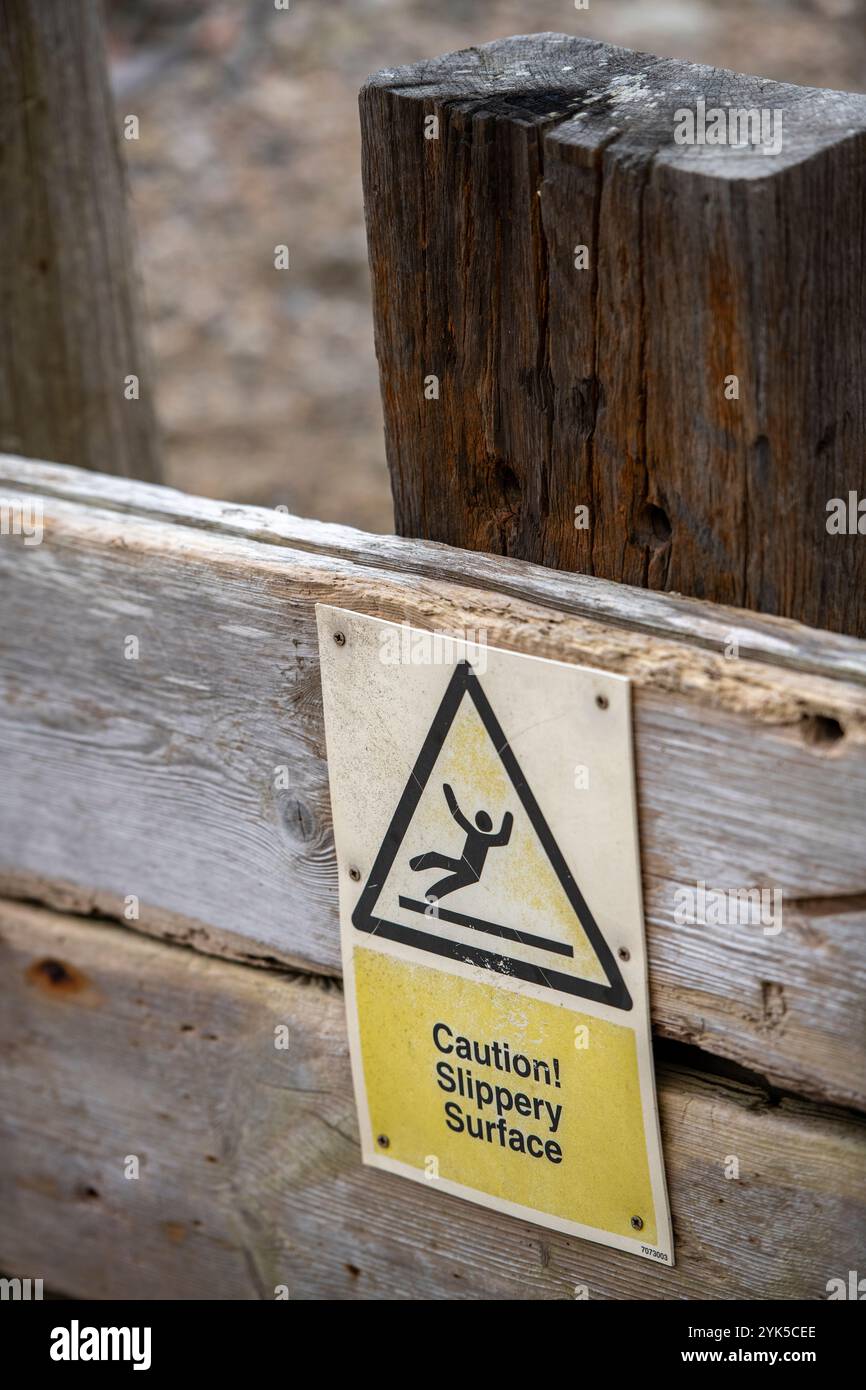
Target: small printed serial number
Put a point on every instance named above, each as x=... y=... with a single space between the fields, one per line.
x=786 y=1331
x=655 y=1254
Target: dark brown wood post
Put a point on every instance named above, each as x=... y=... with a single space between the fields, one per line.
x=70 y=338
x=576 y=308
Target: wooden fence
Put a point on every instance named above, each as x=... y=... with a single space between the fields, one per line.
x=147 y=786
x=168 y=877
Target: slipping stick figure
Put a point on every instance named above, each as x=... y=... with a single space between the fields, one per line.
x=480 y=838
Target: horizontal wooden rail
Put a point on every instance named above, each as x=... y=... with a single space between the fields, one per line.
x=659 y=614
x=249 y=1176
x=149 y=785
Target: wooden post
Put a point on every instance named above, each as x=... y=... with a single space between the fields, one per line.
x=574 y=311
x=68 y=300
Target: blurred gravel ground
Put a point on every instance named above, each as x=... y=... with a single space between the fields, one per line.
x=266 y=381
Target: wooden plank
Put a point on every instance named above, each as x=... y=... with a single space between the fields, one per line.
x=69 y=296
x=601 y=382
x=155 y=777
x=250 y=1173
x=714 y=626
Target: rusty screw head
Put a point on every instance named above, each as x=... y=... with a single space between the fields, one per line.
x=340 y=639
x=602 y=701
x=383 y=1141
x=637 y=1223
x=355 y=875
x=624 y=953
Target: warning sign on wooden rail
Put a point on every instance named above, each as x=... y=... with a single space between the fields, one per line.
x=492 y=928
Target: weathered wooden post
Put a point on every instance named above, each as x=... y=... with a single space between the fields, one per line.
x=611 y=338
x=73 y=381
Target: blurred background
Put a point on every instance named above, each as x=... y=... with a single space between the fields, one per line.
x=267 y=388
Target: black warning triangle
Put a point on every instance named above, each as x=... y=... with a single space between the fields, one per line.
x=465 y=682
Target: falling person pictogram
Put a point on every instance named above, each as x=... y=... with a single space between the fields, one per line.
x=522 y=895
x=480 y=839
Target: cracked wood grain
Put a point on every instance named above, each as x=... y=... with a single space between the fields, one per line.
x=156 y=778
x=250 y=1172
x=604 y=387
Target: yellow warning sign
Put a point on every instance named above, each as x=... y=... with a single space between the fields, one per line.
x=492 y=929
x=530 y=1102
